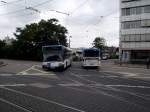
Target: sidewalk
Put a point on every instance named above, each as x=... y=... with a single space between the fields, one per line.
x=2 y=63
x=129 y=70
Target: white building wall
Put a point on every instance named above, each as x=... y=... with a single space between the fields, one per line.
x=135 y=3
x=126 y=45
x=135 y=45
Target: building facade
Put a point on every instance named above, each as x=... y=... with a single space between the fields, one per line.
x=134 y=30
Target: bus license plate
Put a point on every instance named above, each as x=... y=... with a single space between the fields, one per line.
x=93 y=62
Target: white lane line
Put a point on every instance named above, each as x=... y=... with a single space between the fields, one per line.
x=97 y=91
x=127 y=74
x=43 y=99
x=114 y=89
x=3 y=85
x=142 y=77
x=39 y=70
x=25 y=72
x=82 y=90
x=14 y=105
x=71 y=84
x=38 y=74
x=111 y=88
x=40 y=85
x=74 y=81
x=37 y=66
x=6 y=75
x=126 y=78
x=129 y=86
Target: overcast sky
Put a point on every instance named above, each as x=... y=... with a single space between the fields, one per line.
x=87 y=20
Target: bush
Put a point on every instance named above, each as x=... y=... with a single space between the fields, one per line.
x=114 y=56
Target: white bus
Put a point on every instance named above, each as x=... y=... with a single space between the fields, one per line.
x=56 y=56
x=91 y=58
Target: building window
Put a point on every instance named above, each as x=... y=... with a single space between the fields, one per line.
x=135 y=38
x=145 y=23
x=138 y=10
x=131 y=24
x=147 y=9
x=135 y=24
x=135 y=10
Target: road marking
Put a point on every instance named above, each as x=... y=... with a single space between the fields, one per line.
x=132 y=75
x=82 y=90
x=43 y=99
x=14 y=105
x=71 y=84
x=142 y=77
x=6 y=75
x=127 y=74
x=25 y=72
x=38 y=74
x=71 y=73
x=22 y=72
x=114 y=89
x=39 y=70
x=123 y=91
x=129 y=86
x=40 y=85
x=74 y=81
x=127 y=78
x=15 y=85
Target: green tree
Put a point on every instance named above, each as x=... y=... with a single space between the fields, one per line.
x=2 y=45
x=31 y=38
x=99 y=42
x=45 y=32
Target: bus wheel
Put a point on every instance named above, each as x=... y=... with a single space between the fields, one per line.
x=66 y=66
x=44 y=68
x=83 y=67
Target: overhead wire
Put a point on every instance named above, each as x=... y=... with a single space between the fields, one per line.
x=42 y=3
x=79 y=6
x=23 y=9
x=76 y=9
x=100 y=19
x=10 y=3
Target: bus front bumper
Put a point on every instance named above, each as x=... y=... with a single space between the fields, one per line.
x=53 y=65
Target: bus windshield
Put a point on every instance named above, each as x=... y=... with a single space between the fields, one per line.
x=91 y=53
x=52 y=50
x=52 y=53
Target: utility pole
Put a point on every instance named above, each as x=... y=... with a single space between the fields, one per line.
x=70 y=41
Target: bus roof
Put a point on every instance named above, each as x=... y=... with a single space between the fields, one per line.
x=53 y=46
x=91 y=49
x=57 y=46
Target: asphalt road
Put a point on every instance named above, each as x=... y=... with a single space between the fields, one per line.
x=75 y=90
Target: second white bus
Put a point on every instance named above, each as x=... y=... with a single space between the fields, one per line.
x=91 y=58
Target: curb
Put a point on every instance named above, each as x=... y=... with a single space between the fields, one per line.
x=3 y=64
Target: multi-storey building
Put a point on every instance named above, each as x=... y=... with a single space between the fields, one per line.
x=134 y=30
